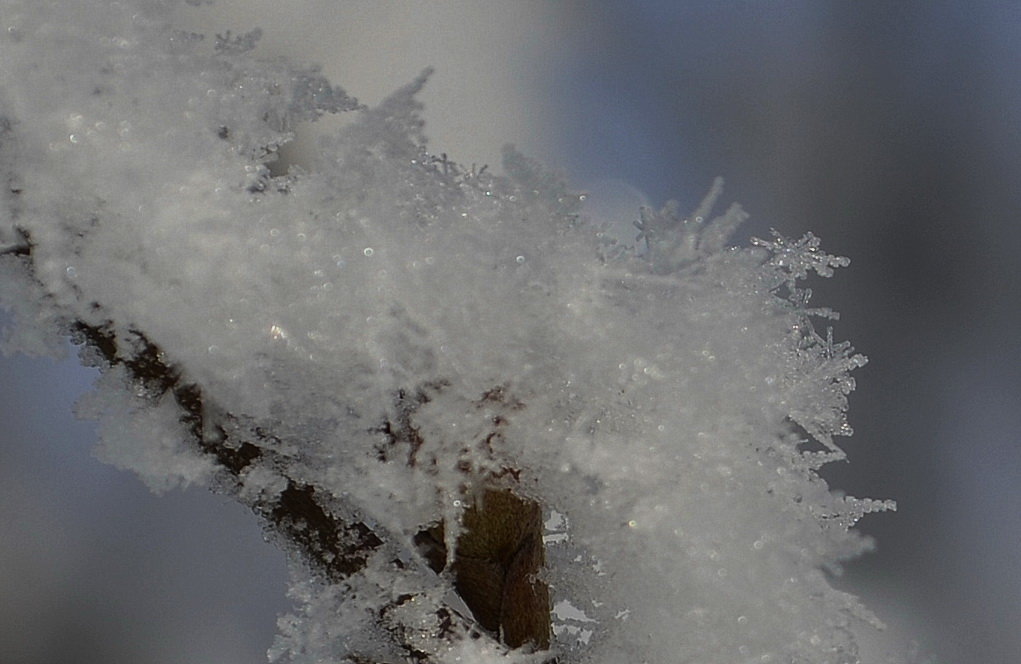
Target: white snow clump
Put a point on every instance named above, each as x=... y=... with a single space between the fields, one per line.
x=389 y=332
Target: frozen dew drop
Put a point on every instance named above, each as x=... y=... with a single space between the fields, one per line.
x=368 y=251
x=519 y=260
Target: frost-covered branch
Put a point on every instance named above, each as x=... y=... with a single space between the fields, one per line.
x=498 y=551
x=482 y=433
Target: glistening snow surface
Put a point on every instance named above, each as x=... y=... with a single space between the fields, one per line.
x=658 y=396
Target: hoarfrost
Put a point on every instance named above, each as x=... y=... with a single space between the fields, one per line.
x=400 y=363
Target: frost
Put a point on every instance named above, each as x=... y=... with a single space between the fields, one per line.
x=229 y=43
x=672 y=242
x=148 y=439
x=406 y=366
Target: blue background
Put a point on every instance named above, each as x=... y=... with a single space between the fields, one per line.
x=890 y=129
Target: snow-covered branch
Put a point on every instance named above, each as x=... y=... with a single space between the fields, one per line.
x=484 y=429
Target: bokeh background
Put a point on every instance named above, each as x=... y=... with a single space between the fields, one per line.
x=892 y=129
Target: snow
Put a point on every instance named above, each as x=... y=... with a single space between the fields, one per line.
x=658 y=398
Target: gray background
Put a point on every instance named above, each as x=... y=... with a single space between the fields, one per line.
x=890 y=129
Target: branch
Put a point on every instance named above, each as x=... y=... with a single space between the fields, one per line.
x=499 y=554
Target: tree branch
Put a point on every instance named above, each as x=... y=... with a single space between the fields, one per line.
x=499 y=554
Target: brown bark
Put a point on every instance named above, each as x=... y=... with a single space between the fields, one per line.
x=497 y=567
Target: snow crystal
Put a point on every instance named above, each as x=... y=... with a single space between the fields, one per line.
x=362 y=350
x=147 y=439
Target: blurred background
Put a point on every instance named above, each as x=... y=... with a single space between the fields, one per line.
x=891 y=129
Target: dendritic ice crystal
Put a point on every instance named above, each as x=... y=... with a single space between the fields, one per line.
x=451 y=397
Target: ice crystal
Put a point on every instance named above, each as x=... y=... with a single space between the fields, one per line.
x=374 y=352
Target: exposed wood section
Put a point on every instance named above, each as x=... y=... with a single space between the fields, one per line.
x=497 y=567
